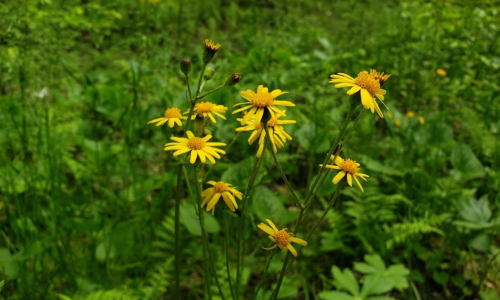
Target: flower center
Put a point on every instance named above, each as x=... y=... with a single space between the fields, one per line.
x=272 y=122
x=282 y=238
x=204 y=107
x=196 y=143
x=220 y=187
x=173 y=113
x=349 y=166
x=367 y=82
x=262 y=99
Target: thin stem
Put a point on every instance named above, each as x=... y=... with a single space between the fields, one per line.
x=278 y=166
x=177 y=233
x=226 y=150
x=192 y=101
x=189 y=87
x=204 y=236
x=256 y=168
x=334 y=146
x=330 y=205
x=226 y=225
x=263 y=275
x=198 y=89
x=212 y=91
x=190 y=190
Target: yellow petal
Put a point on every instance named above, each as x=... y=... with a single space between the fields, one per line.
x=338 y=177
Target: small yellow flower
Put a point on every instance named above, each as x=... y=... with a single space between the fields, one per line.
x=441 y=72
x=397 y=122
x=207 y=109
x=259 y=102
x=282 y=238
x=410 y=114
x=278 y=134
x=347 y=167
x=210 y=50
x=220 y=189
x=172 y=115
x=368 y=84
x=421 y=120
x=199 y=147
x=389 y=114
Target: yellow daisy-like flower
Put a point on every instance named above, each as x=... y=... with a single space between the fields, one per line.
x=259 y=102
x=410 y=114
x=199 y=147
x=441 y=72
x=347 y=167
x=220 y=189
x=282 y=238
x=172 y=115
x=207 y=109
x=421 y=120
x=278 y=134
x=397 y=122
x=210 y=50
x=368 y=84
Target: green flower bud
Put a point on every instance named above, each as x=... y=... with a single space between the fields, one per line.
x=233 y=79
x=186 y=66
x=209 y=74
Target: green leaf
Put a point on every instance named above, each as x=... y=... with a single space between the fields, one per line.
x=376 y=284
x=380 y=298
x=238 y=174
x=8 y=264
x=332 y=295
x=481 y=242
x=190 y=220
x=398 y=274
x=466 y=162
x=346 y=280
x=312 y=138
x=2 y=283
x=265 y=204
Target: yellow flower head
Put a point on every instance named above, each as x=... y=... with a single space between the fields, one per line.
x=210 y=50
x=220 y=189
x=282 y=238
x=379 y=76
x=397 y=122
x=207 y=109
x=410 y=114
x=172 y=115
x=199 y=147
x=421 y=120
x=278 y=134
x=347 y=167
x=389 y=114
x=368 y=84
x=259 y=102
x=441 y=72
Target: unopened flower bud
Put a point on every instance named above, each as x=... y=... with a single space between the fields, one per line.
x=210 y=50
x=233 y=79
x=186 y=66
x=209 y=74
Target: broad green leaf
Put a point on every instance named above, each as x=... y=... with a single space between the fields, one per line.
x=376 y=284
x=466 y=162
x=266 y=205
x=481 y=242
x=239 y=173
x=380 y=298
x=346 y=280
x=398 y=274
x=312 y=138
x=376 y=261
x=332 y=295
x=476 y=211
x=190 y=220
x=8 y=264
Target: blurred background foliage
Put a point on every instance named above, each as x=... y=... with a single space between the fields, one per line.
x=86 y=207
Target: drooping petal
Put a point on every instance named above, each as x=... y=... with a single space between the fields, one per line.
x=298 y=241
x=194 y=154
x=359 y=184
x=353 y=90
x=338 y=177
x=266 y=229
x=272 y=225
x=349 y=179
x=290 y=247
x=181 y=151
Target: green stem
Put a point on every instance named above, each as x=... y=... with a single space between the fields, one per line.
x=177 y=233
x=226 y=225
x=278 y=166
x=332 y=203
x=190 y=190
x=189 y=87
x=263 y=275
x=198 y=89
x=199 y=182
x=310 y=192
x=226 y=150
x=212 y=91
x=256 y=168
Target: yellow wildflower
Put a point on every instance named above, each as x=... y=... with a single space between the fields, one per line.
x=368 y=84
x=347 y=167
x=220 y=189
x=282 y=238
x=207 y=109
x=210 y=50
x=172 y=116
x=259 y=102
x=421 y=120
x=397 y=122
x=199 y=147
x=441 y=72
x=410 y=114
x=278 y=134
